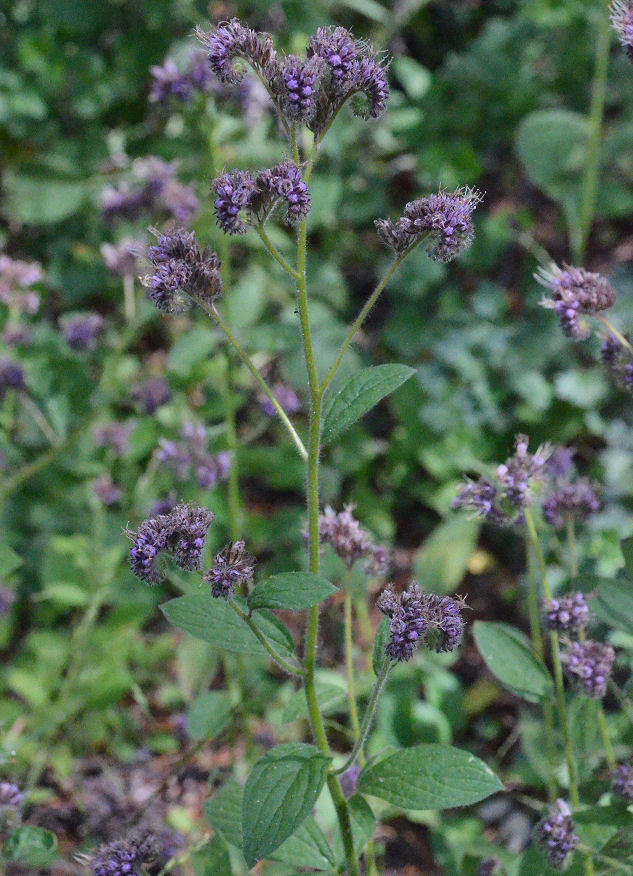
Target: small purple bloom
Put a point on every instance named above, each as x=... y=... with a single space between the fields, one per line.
x=556 y=835
x=408 y=620
x=343 y=532
x=521 y=471
x=337 y=47
x=182 y=272
x=232 y=41
x=590 y=663
x=296 y=87
x=168 y=82
x=82 y=331
x=106 y=491
x=233 y=568
x=16 y=277
x=285 y=395
x=574 y=293
x=122 y=258
x=575 y=501
x=114 y=435
x=567 y=614
x=12 y=376
x=561 y=461
x=282 y=183
x=233 y=192
x=182 y=533
x=371 y=87
x=213 y=469
x=125 y=856
x=152 y=394
x=622 y=781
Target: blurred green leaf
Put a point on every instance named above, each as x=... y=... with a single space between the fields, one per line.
x=512 y=661
x=32 y=846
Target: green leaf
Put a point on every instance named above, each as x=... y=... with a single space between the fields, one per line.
x=585 y=732
x=224 y=813
x=32 y=846
x=441 y=561
x=380 y=643
x=213 y=859
x=429 y=777
x=627 y=552
x=214 y=621
x=9 y=560
x=512 y=661
x=208 y=715
x=279 y=795
x=40 y=200
x=358 y=394
x=308 y=847
x=614 y=604
x=415 y=79
x=191 y=348
x=332 y=698
x=291 y=591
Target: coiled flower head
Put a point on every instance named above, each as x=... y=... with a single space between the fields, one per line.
x=343 y=532
x=181 y=532
x=338 y=48
x=234 y=192
x=233 y=568
x=622 y=21
x=82 y=331
x=574 y=293
x=282 y=184
x=567 y=614
x=125 y=856
x=232 y=41
x=590 y=664
x=556 y=835
x=574 y=501
x=622 y=781
x=444 y=220
x=296 y=86
x=182 y=272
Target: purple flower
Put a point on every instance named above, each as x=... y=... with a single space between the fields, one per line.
x=561 y=461
x=622 y=21
x=590 y=663
x=622 y=781
x=233 y=568
x=182 y=273
x=285 y=395
x=619 y=361
x=213 y=469
x=151 y=188
x=556 y=835
x=574 y=293
x=337 y=47
x=114 y=435
x=125 y=856
x=14 y=335
x=349 y=780
x=444 y=220
x=408 y=620
x=567 y=614
x=178 y=200
x=82 y=331
x=122 y=258
x=167 y=82
x=190 y=456
x=446 y=621
x=576 y=501
x=106 y=491
x=11 y=803
x=12 y=376
x=282 y=183
x=481 y=497
x=232 y=41
x=296 y=86
x=181 y=533
x=371 y=88
x=152 y=394
x=343 y=532
x=233 y=192
x=163 y=506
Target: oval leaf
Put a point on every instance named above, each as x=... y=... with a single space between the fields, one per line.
x=208 y=715
x=279 y=795
x=308 y=847
x=615 y=604
x=358 y=394
x=32 y=846
x=430 y=777
x=512 y=661
x=224 y=813
x=292 y=591
x=214 y=621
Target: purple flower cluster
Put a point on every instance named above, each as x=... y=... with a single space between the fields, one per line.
x=622 y=20
x=122 y=258
x=416 y=615
x=152 y=394
x=114 y=436
x=242 y=199
x=16 y=277
x=573 y=501
x=343 y=532
x=190 y=457
x=232 y=41
x=444 y=220
x=106 y=491
x=622 y=781
x=169 y=81
x=296 y=86
x=152 y=188
x=233 y=568
x=123 y=857
x=567 y=614
x=575 y=292
x=182 y=272
x=590 y=663
x=11 y=803
x=285 y=395
x=337 y=47
x=556 y=835
x=619 y=361
x=82 y=331
x=181 y=533
x=503 y=501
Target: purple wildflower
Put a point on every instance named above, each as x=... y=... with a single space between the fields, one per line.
x=14 y=335
x=234 y=192
x=556 y=834
x=182 y=533
x=82 y=331
x=343 y=532
x=12 y=376
x=179 y=200
x=567 y=614
x=371 y=88
x=282 y=183
x=446 y=621
x=408 y=620
x=285 y=395
x=122 y=258
x=444 y=219
x=163 y=506
x=190 y=456
x=233 y=568
x=114 y=435
x=574 y=293
x=106 y=491
x=622 y=781
x=152 y=394
x=232 y=41
x=622 y=21
x=337 y=47
x=213 y=469
x=182 y=272
x=125 y=201
x=590 y=663
x=296 y=85
x=575 y=501
x=619 y=361
x=16 y=277
x=481 y=497
x=561 y=461
x=124 y=856
x=11 y=803
x=167 y=82
x=349 y=780
x=521 y=471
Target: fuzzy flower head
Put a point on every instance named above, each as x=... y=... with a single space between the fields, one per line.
x=122 y=258
x=150 y=187
x=182 y=272
x=296 y=86
x=190 y=457
x=590 y=664
x=574 y=501
x=443 y=220
x=181 y=533
x=556 y=835
x=343 y=532
x=575 y=292
x=567 y=614
x=285 y=395
x=233 y=568
x=622 y=781
x=169 y=81
x=232 y=41
x=622 y=21
x=234 y=192
x=152 y=394
x=81 y=332
x=125 y=856
x=619 y=361
x=106 y=491
x=282 y=185
x=12 y=376
x=338 y=48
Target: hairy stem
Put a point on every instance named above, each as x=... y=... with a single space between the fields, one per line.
x=272 y=249
x=349 y=661
x=368 y=716
x=606 y=322
x=289 y=667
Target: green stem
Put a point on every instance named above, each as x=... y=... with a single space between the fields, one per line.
x=129 y=298
x=571 y=546
x=368 y=717
x=360 y=319
x=596 y=120
x=293 y=670
x=349 y=662
x=294 y=144
x=183 y=857
x=608 y=747
x=213 y=313
x=272 y=249
x=40 y=420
